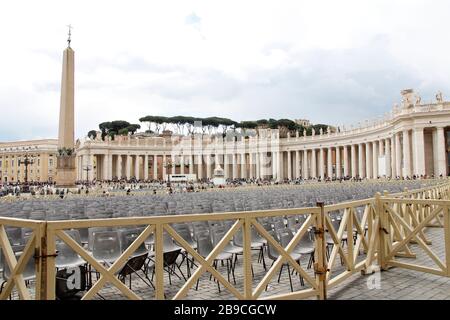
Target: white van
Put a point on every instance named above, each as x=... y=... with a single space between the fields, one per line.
x=181 y=177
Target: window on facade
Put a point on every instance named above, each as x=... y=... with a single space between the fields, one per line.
x=50 y=162
x=39 y=162
x=12 y=163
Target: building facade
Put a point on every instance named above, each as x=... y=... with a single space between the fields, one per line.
x=40 y=153
x=414 y=139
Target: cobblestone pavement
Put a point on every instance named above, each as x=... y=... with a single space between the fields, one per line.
x=394 y=284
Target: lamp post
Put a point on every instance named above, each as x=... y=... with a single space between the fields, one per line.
x=87 y=168
x=168 y=165
x=26 y=162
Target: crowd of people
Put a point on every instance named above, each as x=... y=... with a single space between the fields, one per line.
x=108 y=187
x=16 y=189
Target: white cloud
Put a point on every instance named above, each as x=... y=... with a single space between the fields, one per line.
x=330 y=61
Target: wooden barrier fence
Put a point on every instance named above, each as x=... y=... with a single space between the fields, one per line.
x=375 y=231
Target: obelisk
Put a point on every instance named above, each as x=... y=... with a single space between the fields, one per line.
x=65 y=169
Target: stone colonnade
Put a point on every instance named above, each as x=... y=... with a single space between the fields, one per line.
x=404 y=153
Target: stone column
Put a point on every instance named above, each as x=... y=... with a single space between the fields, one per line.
x=361 y=165
x=182 y=164
x=243 y=166
x=406 y=154
x=257 y=164
x=329 y=163
x=105 y=167
x=375 y=159
x=380 y=151
x=235 y=168
x=289 y=165
x=369 y=161
x=254 y=159
x=321 y=164
x=80 y=167
x=226 y=166
x=250 y=166
x=313 y=164
x=441 y=151
x=261 y=172
x=110 y=167
x=273 y=163
x=338 y=162
x=297 y=164
x=393 y=158
x=128 y=171
x=146 y=167
x=83 y=162
x=119 y=167
x=136 y=166
x=264 y=165
x=305 y=173
x=388 y=157
x=155 y=166
x=164 y=169
x=381 y=147
x=94 y=172
x=88 y=163
x=419 y=152
x=398 y=155
x=173 y=159
x=353 y=160
x=191 y=164
x=208 y=167
x=200 y=166
x=280 y=171
x=346 y=171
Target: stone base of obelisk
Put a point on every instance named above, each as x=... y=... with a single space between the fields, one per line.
x=66 y=174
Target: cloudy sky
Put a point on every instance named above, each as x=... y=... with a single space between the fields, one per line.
x=334 y=62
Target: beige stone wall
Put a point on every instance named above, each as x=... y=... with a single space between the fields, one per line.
x=42 y=151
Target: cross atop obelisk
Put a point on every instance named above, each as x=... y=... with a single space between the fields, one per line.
x=69 y=35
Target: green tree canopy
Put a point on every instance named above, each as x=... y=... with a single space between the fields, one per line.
x=185 y=124
x=133 y=128
x=115 y=127
x=123 y=132
x=247 y=124
x=92 y=134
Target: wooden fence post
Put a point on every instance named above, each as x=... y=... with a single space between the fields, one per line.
x=159 y=262
x=45 y=255
x=41 y=284
x=446 y=212
x=247 y=257
x=321 y=265
x=382 y=232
